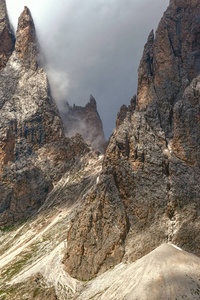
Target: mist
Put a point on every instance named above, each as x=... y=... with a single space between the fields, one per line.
x=93 y=47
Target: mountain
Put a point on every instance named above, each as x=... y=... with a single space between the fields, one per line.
x=86 y=121
x=34 y=152
x=148 y=192
x=75 y=224
x=29 y=120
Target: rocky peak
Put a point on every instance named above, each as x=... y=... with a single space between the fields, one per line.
x=26 y=43
x=170 y=61
x=92 y=103
x=148 y=191
x=29 y=121
x=7 y=38
x=123 y=111
x=86 y=121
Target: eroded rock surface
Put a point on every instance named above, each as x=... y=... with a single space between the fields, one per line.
x=29 y=120
x=26 y=44
x=148 y=192
x=7 y=38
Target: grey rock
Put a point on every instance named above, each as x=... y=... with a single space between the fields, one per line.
x=7 y=38
x=153 y=156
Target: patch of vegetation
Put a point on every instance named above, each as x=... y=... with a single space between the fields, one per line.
x=17 y=267
x=2 y=292
x=36 y=292
x=7 y=228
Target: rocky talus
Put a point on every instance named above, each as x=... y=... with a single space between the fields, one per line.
x=86 y=121
x=148 y=191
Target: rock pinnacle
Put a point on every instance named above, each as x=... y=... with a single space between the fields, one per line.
x=26 y=43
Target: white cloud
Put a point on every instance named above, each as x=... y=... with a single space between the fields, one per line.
x=59 y=82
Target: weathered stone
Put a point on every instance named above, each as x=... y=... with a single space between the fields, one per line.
x=123 y=111
x=26 y=44
x=7 y=38
x=100 y=229
x=170 y=61
x=29 y=120
x=152 y=158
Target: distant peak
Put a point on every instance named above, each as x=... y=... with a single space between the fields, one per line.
x=25 y=16
x=26 y=43
x=92 y=102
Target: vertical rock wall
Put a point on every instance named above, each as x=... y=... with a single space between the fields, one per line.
x=148 y=192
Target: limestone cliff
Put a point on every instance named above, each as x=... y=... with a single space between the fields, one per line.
x=29 y=120
x=26 y=45
x=111 y=209
x=86 y=121
x=148 y=192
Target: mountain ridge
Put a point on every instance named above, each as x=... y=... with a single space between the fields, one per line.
x=85 y=222
x=150 y=177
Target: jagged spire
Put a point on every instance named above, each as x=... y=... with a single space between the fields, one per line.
x=93 y=102
x=26 y=43
x=7 y=38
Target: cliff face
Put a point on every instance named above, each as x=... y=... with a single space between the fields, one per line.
x=29 y=120
x=85 y=121
x=7 y=38
x=171 y=60
x=26 y=45
x=148 y=192
x=111 y=209
x=34 y=152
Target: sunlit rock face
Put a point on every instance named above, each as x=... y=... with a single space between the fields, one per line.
x=148 y=191
x=86 y=121
x=170 y=61
x=29 y=120
x=34 y=152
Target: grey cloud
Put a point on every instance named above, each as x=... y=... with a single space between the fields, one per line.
x=95 y=48
x=59 y=83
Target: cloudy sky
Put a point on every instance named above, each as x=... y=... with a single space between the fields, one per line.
x=93 y=47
